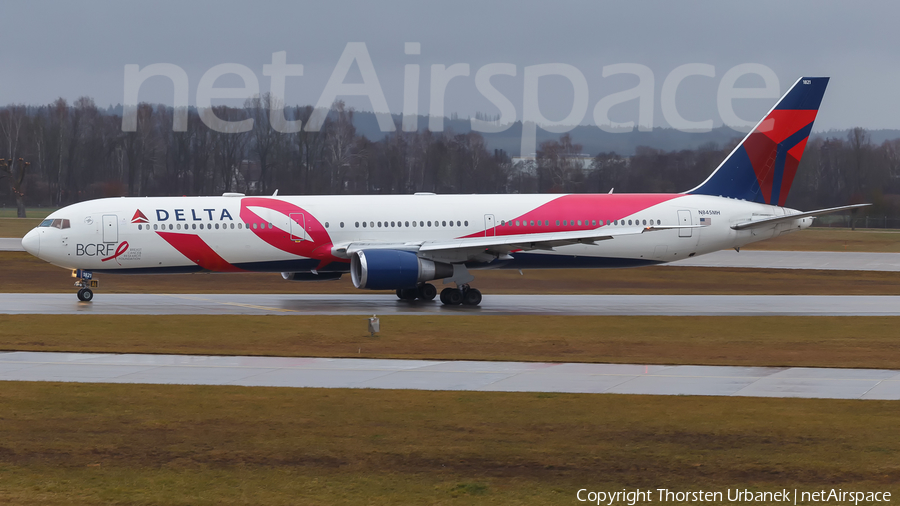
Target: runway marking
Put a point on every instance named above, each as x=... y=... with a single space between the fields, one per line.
x=238 y=304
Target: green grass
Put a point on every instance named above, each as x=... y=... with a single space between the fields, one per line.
x=17 y=227
x=873 y=240
x=30 y=212
x=813 y=341
x=145 y=444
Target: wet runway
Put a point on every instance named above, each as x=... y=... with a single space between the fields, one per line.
x=452 y=375
x=821 y=260
x=367 y=304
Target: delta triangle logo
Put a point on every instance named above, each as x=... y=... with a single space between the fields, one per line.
x=139 y=217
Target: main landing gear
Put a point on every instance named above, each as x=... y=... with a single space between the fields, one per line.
x=425 y=291
x=85 y=282
x=464 y=295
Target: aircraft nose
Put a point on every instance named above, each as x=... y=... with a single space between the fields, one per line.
x=32 y=242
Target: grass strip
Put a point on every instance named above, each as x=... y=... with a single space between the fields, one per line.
x=146 y=444
x=802 y=341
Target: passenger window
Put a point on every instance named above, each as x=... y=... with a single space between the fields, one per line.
x=154 y=227
x=357 y=224
x=406 y=223
x=579 y=223
x=364 y=224
x=517 y=223
x=466 y=223
x=645 y=222
x=429 y=223
x=342 y=224
x=451 y=223
x=379 y=224
x=232 y=226
x=421 y=223
x=443 y=223
x=239 y=226
x=254 y=226
x=326 y=225
x=414 y=224
x=557 y=223
x=139 y=227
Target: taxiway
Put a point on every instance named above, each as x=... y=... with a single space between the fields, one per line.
x=302 y=372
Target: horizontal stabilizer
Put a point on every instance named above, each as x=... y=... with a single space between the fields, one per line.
x=792 y=217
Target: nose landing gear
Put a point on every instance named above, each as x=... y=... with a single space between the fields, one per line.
x=85 y=282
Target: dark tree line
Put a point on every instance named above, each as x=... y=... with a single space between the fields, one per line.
x=74 y=152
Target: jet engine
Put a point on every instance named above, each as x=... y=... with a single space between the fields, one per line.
x=386 y=269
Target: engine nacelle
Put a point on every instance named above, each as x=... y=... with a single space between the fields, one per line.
x=389 y=269
x=309 y=276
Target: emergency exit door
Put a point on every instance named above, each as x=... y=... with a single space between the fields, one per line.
x=684 y=219
x=298 y=227
x=110 y=228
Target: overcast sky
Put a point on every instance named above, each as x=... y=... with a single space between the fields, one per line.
x=71 y=49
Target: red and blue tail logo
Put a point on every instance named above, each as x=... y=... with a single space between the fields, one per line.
x=762 y=168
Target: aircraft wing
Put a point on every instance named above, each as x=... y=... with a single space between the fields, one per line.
x=502 y=244
x=541 y=241
x=779 y=219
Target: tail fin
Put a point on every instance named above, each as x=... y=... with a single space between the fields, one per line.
x=762 y=167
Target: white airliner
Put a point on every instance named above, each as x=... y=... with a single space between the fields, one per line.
x=401 y=242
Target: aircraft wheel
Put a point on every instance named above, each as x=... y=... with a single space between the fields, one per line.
x=427 y=291
x=451 y=296
x=400 y=294
x=409 y=293
x=472 y=297
x=85 y=294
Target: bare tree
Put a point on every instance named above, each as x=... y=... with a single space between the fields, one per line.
x=12 y=124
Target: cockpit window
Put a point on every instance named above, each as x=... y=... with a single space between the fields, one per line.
x=57 y=223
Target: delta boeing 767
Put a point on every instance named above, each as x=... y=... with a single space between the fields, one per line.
x=402 y=242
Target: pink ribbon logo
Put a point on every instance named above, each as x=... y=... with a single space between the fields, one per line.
x=122 y=248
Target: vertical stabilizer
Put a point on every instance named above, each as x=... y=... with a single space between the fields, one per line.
x=762 y=167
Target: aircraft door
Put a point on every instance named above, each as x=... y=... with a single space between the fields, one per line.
x=110 y=228
x=298 y=227
x=489 y=224
x=684 y=219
